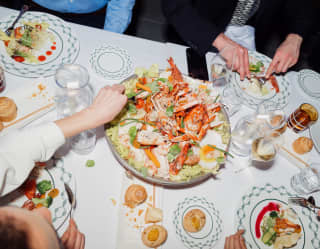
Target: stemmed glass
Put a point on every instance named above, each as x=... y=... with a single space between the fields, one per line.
x=74 y=95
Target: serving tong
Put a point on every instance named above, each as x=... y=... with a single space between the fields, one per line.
x=303 y=202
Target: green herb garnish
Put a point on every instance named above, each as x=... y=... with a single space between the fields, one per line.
x=173 y=152
x=216 y=99
x=216 y=148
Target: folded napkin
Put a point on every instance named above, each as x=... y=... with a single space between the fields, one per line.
x=287 y=151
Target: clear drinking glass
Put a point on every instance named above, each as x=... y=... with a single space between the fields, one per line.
x=220 y=69
x=74 y=95
x=308 y=180
x=274 y=118
x=230 y=100
x=242 y=136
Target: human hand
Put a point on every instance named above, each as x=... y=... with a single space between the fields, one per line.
x=107 y=104
x=72 y=238
x=286 y=55
x=236 y=56
x=235 y=241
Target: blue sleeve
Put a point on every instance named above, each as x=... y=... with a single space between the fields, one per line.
x=118 y=16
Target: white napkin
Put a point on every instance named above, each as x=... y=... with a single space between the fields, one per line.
x=131 y=224
x=243 y=35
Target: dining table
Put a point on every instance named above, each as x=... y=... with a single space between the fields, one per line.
x=98 y=188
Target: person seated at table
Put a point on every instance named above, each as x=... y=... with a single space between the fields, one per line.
x=112 y=15
x=21 y=149
x=225 y=24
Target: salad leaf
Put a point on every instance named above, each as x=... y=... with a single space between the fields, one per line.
x=164 y=80
x=173 y=152
x=259 y=64
x=144 y=171
x=169 y=111
x=44 y=186
x=26 y=38
x=220 y=159
x=190 y=152
x=20 y=53
x=132 y=108
x=153 y=86
x=132 y=133
x=45 y=202
x=195 y=143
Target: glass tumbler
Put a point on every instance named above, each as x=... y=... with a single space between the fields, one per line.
x=230 y=100
x=308 y=180
x=72 y=96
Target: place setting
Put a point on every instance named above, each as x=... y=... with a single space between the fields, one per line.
x=38 y=46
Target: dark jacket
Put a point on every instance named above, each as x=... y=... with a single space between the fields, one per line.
x=199 y=22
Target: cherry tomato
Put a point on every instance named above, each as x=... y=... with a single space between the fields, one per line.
x=38 y=26
x=140 y=103
x=18 y=58
x=30 y=189
x=17 y=33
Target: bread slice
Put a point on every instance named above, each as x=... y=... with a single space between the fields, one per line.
x=153 y=215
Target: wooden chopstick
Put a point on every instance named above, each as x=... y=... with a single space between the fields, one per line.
x=28 y=115
x=294 y=156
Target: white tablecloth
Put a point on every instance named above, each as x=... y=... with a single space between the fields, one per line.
x=95 y=214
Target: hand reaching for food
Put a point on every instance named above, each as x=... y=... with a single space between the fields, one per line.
x=286 y=55
x=236 y=56
x=235 y=241
x=72 y=237
x=105 y=107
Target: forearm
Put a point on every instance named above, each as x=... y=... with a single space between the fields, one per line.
x=73 y=125
x=118 y=16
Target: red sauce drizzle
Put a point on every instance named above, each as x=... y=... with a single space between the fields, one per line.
x=48 y=53
x=54 y=43
x=42 y=58
x=53 y=47
x=270 y=207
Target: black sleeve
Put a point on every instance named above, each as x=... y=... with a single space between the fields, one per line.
x=196 y=31
x=300 y=17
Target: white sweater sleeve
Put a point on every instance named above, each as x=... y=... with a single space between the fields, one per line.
x=20 y=150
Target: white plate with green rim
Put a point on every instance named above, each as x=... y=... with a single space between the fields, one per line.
x=309 y=81
x=260 y=196
x=64 y=49
x=209 y=235
x=250 y=100
x=56 y=173
x=111 y=62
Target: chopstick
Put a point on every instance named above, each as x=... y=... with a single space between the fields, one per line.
x=294 y=156
x=29 y=115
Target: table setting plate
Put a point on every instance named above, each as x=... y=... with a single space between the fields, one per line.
x=66 y=47
x=55 y=172
x=111 y=62
x=280 y=99
x=309 y=81
x=209 y=235
x=258 y=197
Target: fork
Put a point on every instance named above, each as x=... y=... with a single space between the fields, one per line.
x=9 y=30
x=300 y=201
